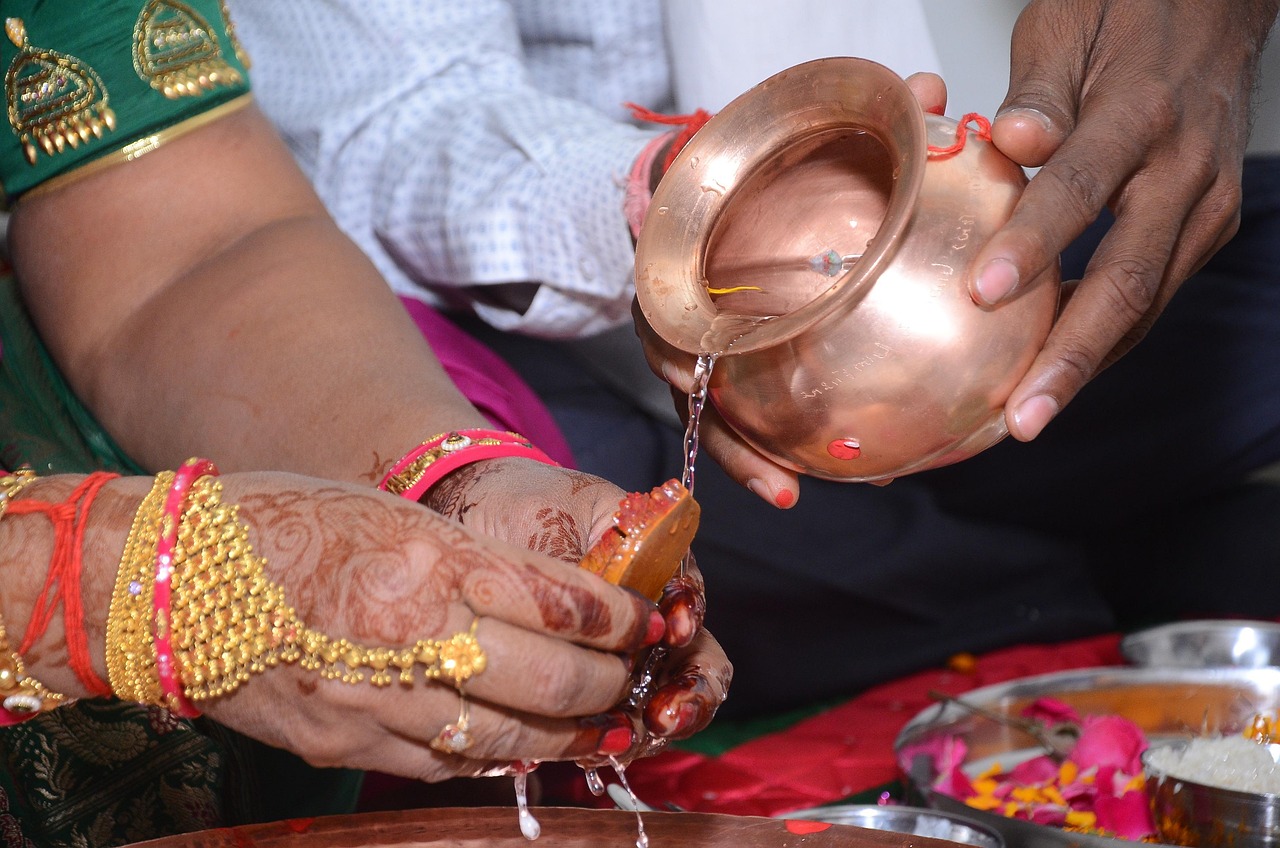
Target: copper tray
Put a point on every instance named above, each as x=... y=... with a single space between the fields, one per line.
x=492 y=827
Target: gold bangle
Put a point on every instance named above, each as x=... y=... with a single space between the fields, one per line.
x=131 y=649
x=229 y=622
x=11 y=485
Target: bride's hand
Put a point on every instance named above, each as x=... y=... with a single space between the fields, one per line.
x=382 y=571
x=541 y=506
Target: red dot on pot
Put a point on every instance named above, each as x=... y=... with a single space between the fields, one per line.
x=844 y=449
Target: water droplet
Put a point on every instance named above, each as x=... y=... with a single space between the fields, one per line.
x=642 y=838
x=662 y=210
x=693 y=161
x=594 y=781
x=529 y=825
x=697 y=399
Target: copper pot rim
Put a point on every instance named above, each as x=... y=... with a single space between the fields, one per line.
x=750 y=114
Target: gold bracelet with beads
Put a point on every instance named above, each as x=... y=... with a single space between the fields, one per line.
x=12 y=484
x=229 y=622
x=131 y=648
x=21 y=696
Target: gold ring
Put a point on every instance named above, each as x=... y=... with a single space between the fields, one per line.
x=461 y=657
x=455 y=738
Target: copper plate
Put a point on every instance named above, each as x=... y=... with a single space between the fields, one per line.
x=493 y=827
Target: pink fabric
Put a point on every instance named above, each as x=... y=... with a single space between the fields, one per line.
x=489 y=383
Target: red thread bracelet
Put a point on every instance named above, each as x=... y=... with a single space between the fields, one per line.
x=962 y=135
x=689 y=126
x=175 y=700
x=62 y=582
x=424 y=466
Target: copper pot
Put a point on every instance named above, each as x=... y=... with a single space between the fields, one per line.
x=807 y=235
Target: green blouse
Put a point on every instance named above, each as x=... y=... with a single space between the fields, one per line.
x=90 y=82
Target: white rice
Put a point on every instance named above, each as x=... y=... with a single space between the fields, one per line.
x=1228 y=762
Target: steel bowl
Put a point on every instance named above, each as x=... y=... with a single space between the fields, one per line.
x=1191 y=813
x=1166 y=703
x=1205 y=644
x=853 y=370
x=917 y=821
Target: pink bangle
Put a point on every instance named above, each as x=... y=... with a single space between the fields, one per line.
x=170 y=685
x=424 y=466
x=637 y=196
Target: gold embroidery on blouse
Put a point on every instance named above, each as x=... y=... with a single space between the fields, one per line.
x=138 y=148
x=241 y=53
x=176 y=51
x=55 y=101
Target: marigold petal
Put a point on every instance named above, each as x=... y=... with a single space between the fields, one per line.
x=983 y=802
x=1082 y=819
x=1068 y=772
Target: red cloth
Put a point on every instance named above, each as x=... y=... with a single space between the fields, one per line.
x=841 y=752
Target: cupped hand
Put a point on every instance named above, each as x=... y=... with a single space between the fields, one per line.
x=692 y=680
x=1140 y=105
x=681 y=683
x=382 y=571
x=561 y=512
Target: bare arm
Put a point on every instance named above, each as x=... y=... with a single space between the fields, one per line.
x=201 y=301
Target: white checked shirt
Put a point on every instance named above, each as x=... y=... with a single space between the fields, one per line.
x=464 y=143
x=469 y=142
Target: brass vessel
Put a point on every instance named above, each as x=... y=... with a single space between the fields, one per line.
x=808 y=235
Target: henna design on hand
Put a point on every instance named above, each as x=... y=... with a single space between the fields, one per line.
x=314 y=538
x=349 y=559
x=558 y=535
x=564 y=608
x=451 y=497
x=379 y=468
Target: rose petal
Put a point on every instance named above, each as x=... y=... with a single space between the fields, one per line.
x=1110 y=741
x=1037 y=770
x=1128 y=816
x=1051 y=711
x=955 y=783
x=945 y=753
x=1047 y=814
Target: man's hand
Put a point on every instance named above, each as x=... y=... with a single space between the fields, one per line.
x=1142 y=106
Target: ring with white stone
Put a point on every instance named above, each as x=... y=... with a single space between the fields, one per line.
x=455 y=738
